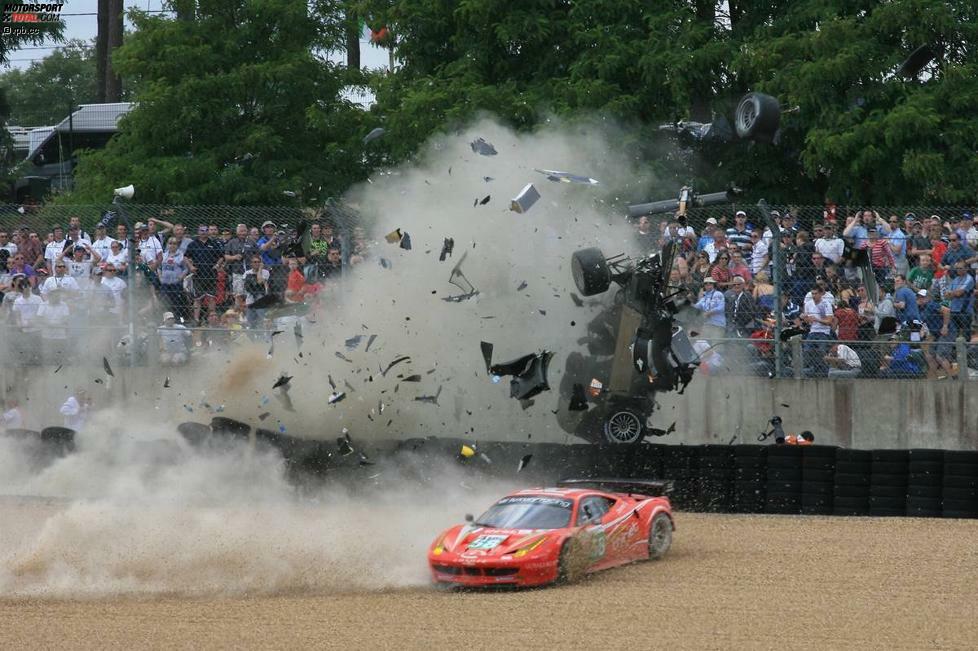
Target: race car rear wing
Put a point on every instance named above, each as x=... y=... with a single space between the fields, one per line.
x=652 y=488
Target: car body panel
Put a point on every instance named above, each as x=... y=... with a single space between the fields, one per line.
x=471 y=555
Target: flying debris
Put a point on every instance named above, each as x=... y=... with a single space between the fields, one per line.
x=370 y=340
x=349 y=387
x=406 y=242
x=108 y=369
x=486 y=348
x=578 y=401
x=488 y=179
x=265 y=302
x=364 y=460
x=467 y=451
x=397 y=361
x=336 y=397
x=166 y=382
x=523 y=285
x=297 y=331
x=524 y=462
x=412 y=378
x=446 y=249
x=529 y=374
x=353 y=342
x=458 y=279
x=525 y=199
x=57 y=369
x=433 y=400
x=567 y=177
x=480 y=146
x=373 y=135
x=577 y=300
x=282 y=381
x=485 y=200
x=343 y=357
x=264 y=415
x=285 y=399
x=385 y=263
x=332 y=385
x=394 y=237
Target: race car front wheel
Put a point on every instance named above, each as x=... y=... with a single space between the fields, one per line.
x=660 y=536
x=624 y=427
x=590 y=271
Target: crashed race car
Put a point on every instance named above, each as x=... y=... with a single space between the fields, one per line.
x=635 y=348
x=555 y=535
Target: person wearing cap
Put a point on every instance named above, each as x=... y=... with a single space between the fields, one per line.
x=707 y=236
x=203 y=255
x=739 y=233
x=54 y=247
x=713 y=306
x=740 y=310
x=79 y=267
x=904 y=300
x=174 y=341
x=150 y=249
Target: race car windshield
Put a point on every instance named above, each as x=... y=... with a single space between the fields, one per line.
x=527 y=512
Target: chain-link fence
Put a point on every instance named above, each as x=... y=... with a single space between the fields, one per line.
x=833 y=283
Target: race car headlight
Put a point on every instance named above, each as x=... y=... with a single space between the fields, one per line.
x=439 y=546
x=526 y=549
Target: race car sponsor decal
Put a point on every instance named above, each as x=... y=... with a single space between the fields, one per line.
x=487 y=542
x=536 y=499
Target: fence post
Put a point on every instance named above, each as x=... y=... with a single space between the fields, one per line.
x=962 y=354
x=796 y=356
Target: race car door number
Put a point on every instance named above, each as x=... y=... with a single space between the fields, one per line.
x=487 y=542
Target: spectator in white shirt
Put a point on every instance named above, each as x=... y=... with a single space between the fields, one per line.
x=80 y=267
x=25 y=307
x=150 y=249
x=75 y=410
x=5 y=243
x=830 y=245
x=843 y=362
x=759 y=258
x=118 y=257
x=11 y=418
x=54 y=247
x=102 y=242
x=718 y=244
x=111 y=289
x=174 y=341
x=60 y=281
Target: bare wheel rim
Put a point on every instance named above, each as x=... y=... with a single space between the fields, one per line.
x=748 y=114
x=623 y=427
x=660 y=538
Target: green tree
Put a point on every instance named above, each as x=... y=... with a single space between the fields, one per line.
x=233 y=107
x=44 y=92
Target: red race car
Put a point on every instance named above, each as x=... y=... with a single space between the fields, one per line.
x=550 y=535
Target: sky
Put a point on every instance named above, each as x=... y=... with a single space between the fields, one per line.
x=81 y=23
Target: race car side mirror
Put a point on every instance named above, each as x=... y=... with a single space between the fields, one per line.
x=469 y=517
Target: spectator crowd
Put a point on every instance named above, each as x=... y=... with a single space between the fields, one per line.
x=868 y=295
x=196 y=285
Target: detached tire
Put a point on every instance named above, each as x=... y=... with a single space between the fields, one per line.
x=624 y=427
x=757 y=117
x=660 y=536
x=590 y=271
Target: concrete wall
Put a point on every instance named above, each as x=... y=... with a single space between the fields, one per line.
x=852 y=413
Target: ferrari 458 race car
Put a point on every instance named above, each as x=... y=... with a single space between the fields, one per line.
x=555 y=535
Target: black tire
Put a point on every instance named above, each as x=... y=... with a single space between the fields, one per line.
x=785 y=503
x=623 y=426
x=888 y=491
x=236 y=428
x=784 y=451
x=961 y=456
x=897 y=503
x=818 y=463
x=887 y=455
x=925 y=479
x=859 y=456
x=861 y=492
x=851 y=480
x=929 y=503
x=852 y=468
x=954 y=481
x=962 y=515
x=888 y=480
x=788 y=487
x=961 y=469
x=20 y=434
x=860 y=503
x=194 y=433
x=963 y=494
x=749 y=451
x=757 y=117
x=889 y=468
x=808 y=475
x=784 y=463
x=923 y=454
x=590 y=271
x=927 y=492
x=933 y=467
x=818 y=452
x=571 y=563
x=817 y=488
x=784 y=474
x=660 y=536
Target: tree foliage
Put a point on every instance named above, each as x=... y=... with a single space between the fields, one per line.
x=233 y=107
x=44 y=92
